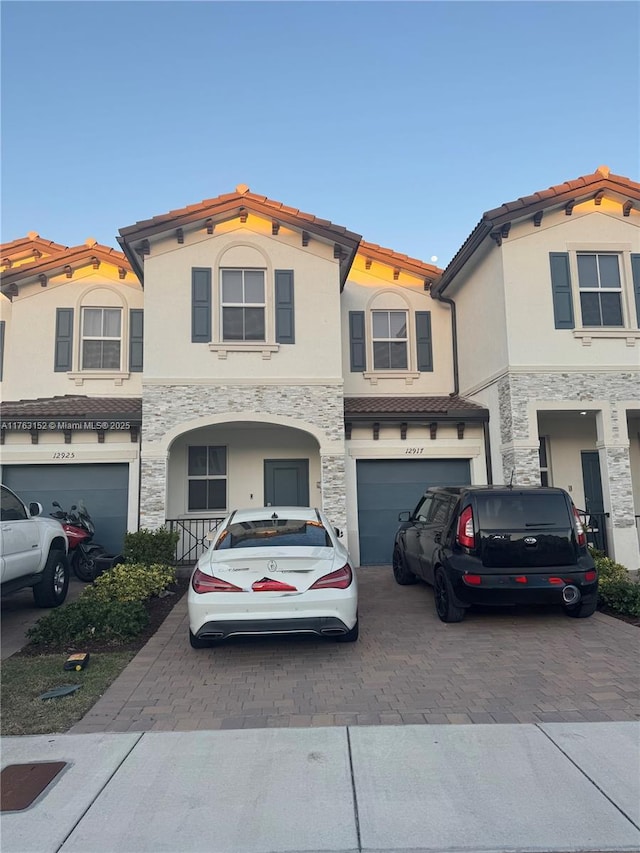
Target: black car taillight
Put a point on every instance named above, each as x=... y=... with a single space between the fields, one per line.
x=465 y=534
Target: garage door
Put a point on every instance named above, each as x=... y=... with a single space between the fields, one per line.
x=104 y=489
x=388 y=486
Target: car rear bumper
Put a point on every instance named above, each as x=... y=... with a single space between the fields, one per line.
x=329 y=626
x=505 y=590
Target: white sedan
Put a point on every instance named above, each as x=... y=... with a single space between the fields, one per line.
x=273 y=570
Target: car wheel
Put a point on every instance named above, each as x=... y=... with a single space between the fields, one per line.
x=351 y=636
x=582 y=610
x=400 y=571
x=51 y=591
x=443 y=593
x=197 y=642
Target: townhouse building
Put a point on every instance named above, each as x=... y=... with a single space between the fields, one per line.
x=239 y=352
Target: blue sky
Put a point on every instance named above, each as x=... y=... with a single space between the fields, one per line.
x=401 y=121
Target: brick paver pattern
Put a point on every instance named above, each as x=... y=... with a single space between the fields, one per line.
x=528 y=665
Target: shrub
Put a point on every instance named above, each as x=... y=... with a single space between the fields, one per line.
x=615 y=588
x=622 y=596
x=87 y=618
x=151 y=547
x=131 y=582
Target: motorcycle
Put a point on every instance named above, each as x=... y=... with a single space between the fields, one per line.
x=79 y=527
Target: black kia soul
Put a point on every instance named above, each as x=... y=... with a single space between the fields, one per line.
x=497 y=545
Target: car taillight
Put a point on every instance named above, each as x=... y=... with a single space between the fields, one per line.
x=340 y=579
x=207 y=583
x=591 y=575
x=465 y=535
x=581 y=536
x=472 y=580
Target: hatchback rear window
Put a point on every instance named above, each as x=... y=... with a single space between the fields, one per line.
x=280 y=533
x=520 y=511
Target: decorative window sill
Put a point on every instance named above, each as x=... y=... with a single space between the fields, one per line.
x=586 y=335
x=117 y=377
x=407 y=375
x=266 y=349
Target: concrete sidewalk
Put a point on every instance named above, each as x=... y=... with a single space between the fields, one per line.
x=554 y=787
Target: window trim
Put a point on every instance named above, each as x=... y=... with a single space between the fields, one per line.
x=407 y=339
x=207 y=477
x=99 y=370
x=629 y=329
x=266 y=305
x=600 y=289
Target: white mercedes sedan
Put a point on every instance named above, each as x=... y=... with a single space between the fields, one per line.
x=273 y=570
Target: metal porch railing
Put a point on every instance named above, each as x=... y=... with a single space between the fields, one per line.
x=193 y=541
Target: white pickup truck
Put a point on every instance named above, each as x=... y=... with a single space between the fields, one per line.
x=33 y=551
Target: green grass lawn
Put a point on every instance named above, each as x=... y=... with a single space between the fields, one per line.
x=25 y=678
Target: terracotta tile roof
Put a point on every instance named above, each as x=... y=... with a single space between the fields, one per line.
x=404 y=406
x=75 y=257
x=395 y=259
x=28 y=246
x=74 y=407
x=228 y=201
x=579 y=189
x=227 y=206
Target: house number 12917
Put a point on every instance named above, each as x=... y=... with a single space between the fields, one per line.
x=414 y=451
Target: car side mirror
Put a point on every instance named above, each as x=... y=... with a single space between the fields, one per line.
x=338 y=532
x=35 y=509
x=211 y=535
x=405 y=515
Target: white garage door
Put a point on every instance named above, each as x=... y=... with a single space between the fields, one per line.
x=388 y=486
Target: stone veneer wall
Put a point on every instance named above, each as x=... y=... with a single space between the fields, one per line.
x=517 y=390
x=165 y=407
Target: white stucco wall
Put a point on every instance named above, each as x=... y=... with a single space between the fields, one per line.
x=527 y=284
x=30 y=335
x=368 y=290
x=169 y=352
x=248 y=445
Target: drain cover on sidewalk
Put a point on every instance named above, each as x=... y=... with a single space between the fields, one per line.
x=21 y=784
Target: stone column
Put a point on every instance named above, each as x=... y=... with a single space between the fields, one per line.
x=617 y=492
x=153 y=491
x=333 y=489
x=519 y=449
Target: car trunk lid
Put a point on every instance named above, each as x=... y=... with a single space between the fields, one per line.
x=525 y=530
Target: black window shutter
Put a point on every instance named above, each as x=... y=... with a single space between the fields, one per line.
x=285 y=322
x=357 y=345
x=635 y=270
x=63 y=357
x=561 y=287
x=201 y=305
x=2 y=326
x=423 y=341
x=136 y=338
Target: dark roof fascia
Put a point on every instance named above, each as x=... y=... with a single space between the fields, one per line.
x=479 y=415
x=59 y=261
x=227 y=211
x=499 y=216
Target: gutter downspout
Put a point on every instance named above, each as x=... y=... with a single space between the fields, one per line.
x=456 y=383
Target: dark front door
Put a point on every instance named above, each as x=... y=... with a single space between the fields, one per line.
x=594 y=503
x=286 y=482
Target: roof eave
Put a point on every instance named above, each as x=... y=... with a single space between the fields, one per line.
x=480 y=415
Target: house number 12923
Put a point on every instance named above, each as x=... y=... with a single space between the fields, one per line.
x=414 y=451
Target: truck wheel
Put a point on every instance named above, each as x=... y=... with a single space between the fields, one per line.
x=51 y=591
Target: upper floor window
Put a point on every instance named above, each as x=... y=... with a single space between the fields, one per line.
x=243 y=305
x=207 y=478
x=390 y=340
x=600 y=289
x=101 y=338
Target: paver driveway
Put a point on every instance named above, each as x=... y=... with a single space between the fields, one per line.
x=503 y=666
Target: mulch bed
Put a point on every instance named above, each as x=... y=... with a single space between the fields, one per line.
x=158 y=610
x=630 y=620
